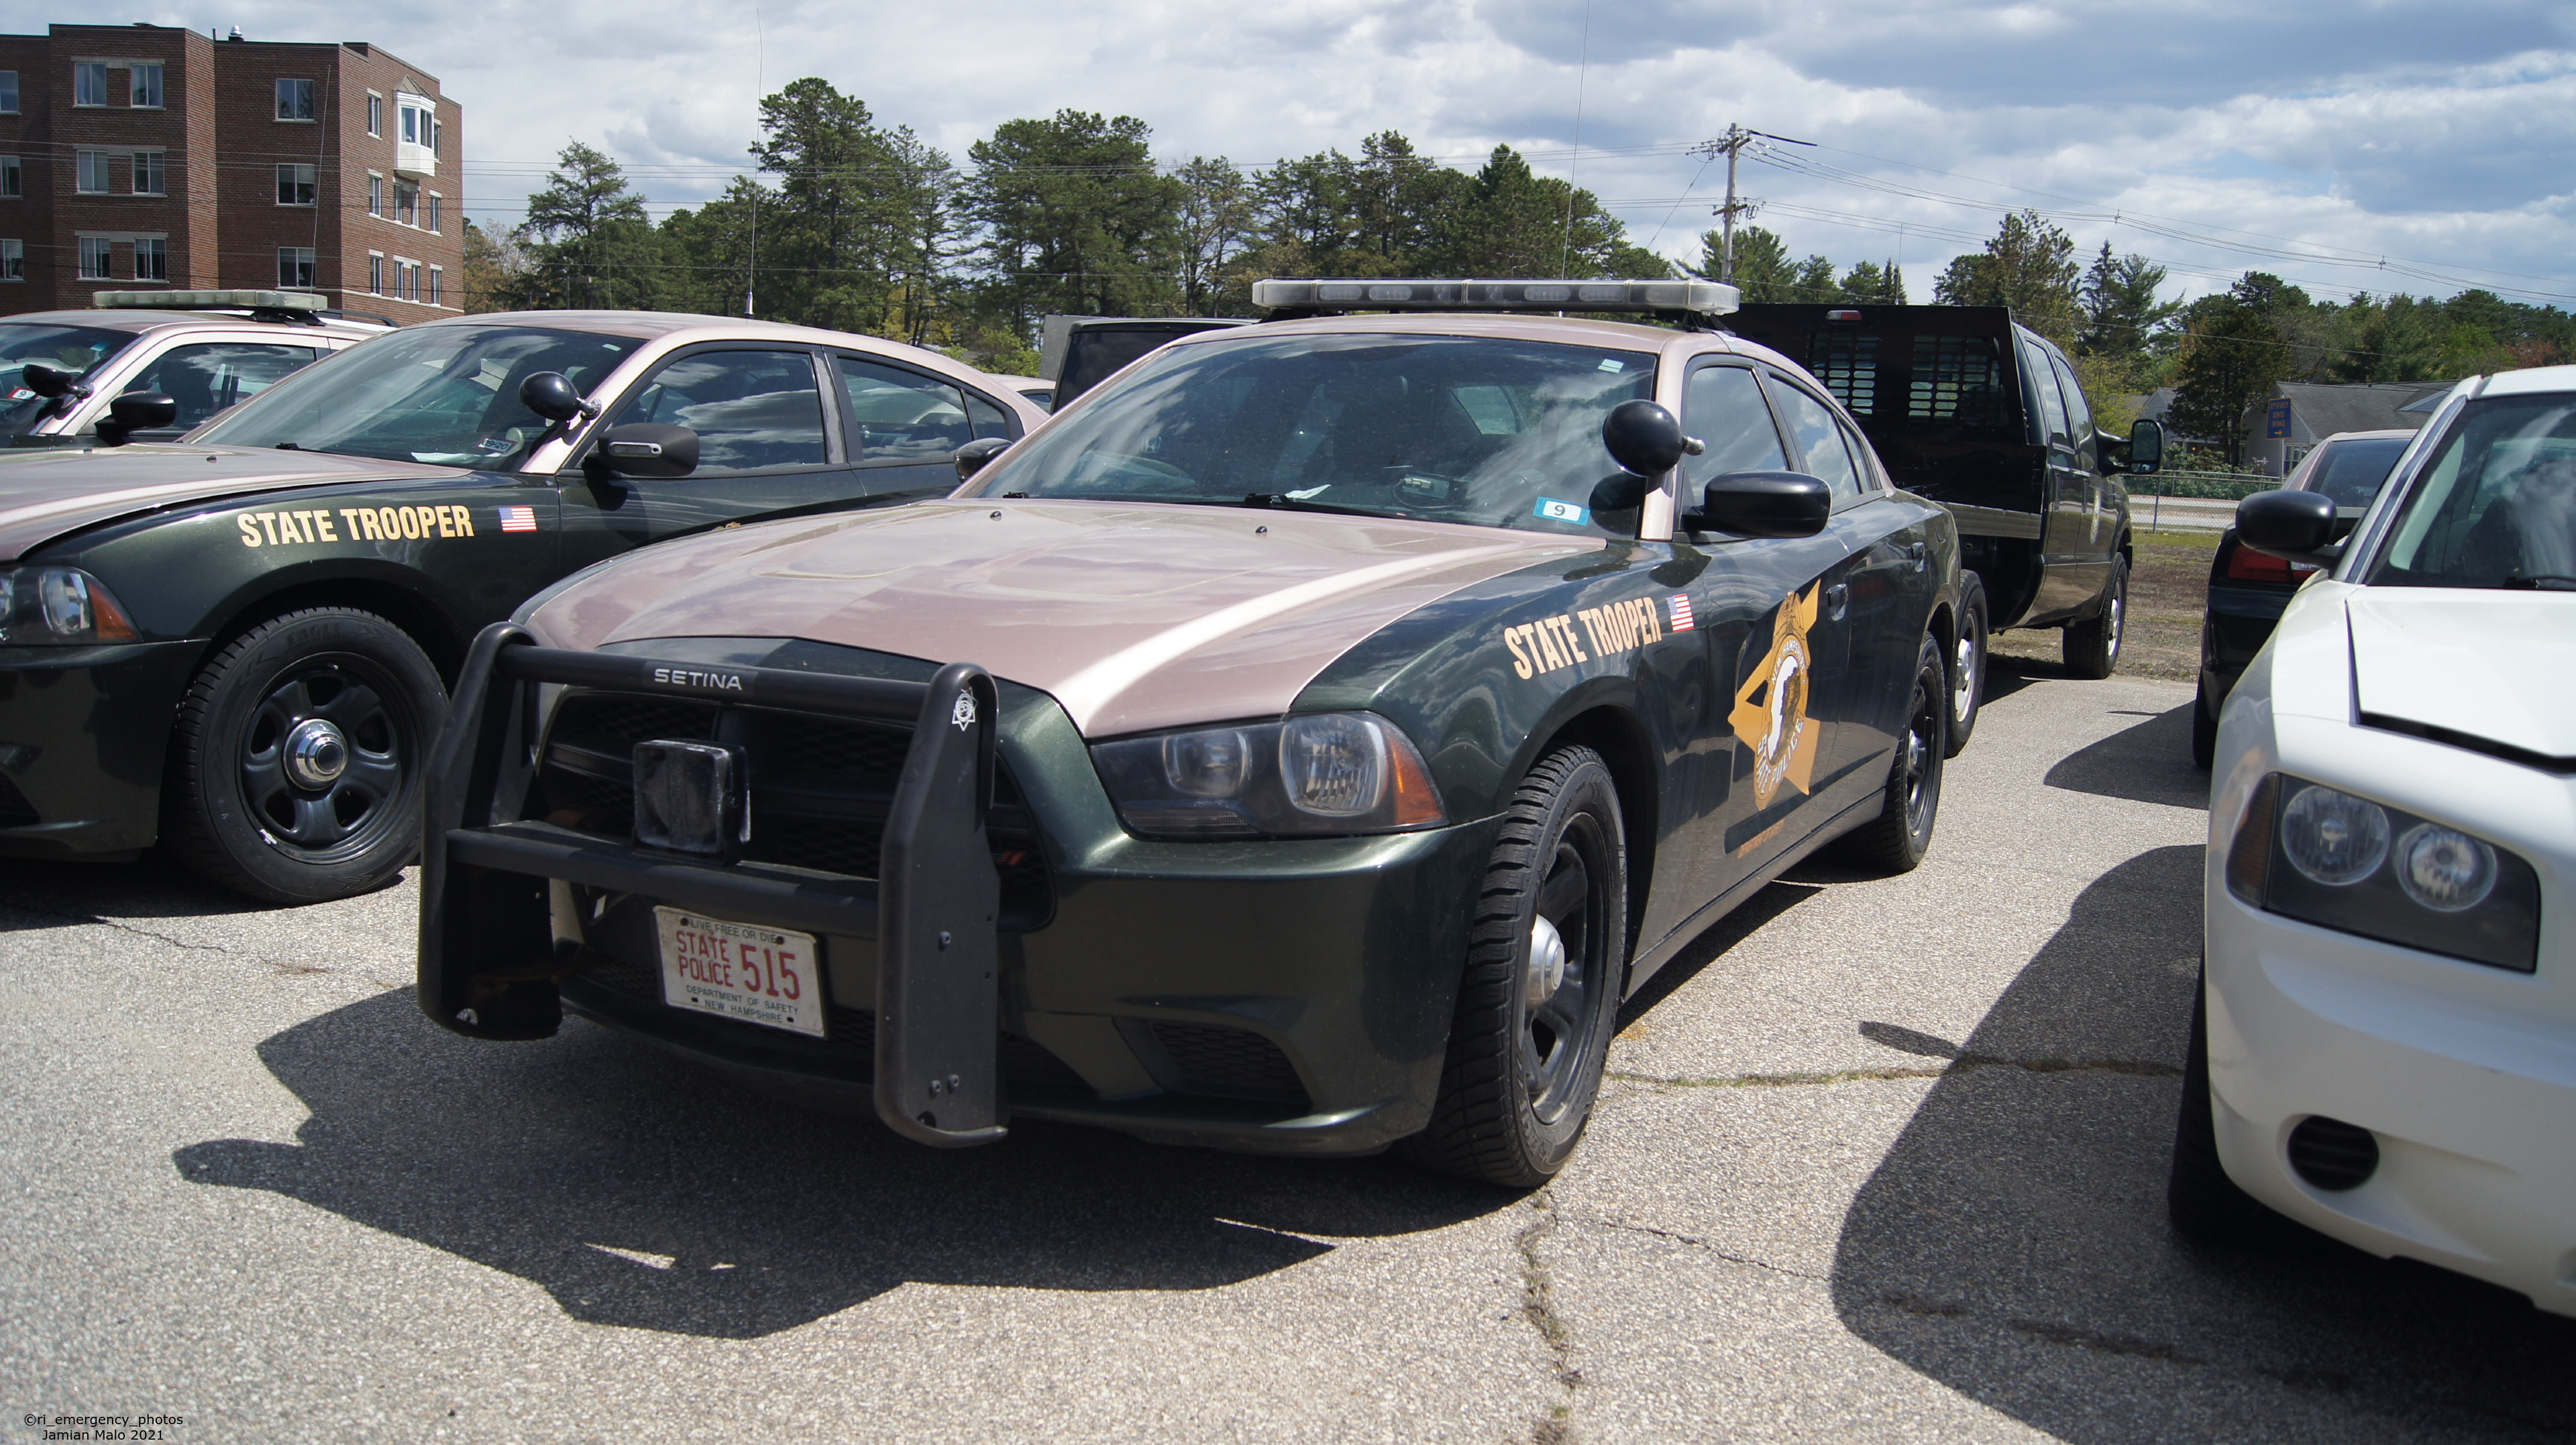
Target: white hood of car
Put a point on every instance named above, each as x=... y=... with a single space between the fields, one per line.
x=2494 y=665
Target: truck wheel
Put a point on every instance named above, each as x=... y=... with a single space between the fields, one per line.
x=1968 y=663
x=2206 y=1206
x=2093 y=646
x=1546 y=956
x=2204 y=729
x=295 y=771
x=1901 y=834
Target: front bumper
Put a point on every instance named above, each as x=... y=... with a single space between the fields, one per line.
x=1287 y=996
x=2469 y=1097
x=83 y=732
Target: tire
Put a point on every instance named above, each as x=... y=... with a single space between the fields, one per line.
x=239 y=811
x=2093 y=646
x=2204 y=729
x=1524 y=1066
x=1896 y=840
x=1968 y=664
x=2206 y=1206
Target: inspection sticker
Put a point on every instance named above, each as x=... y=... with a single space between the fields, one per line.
x=1552 y=510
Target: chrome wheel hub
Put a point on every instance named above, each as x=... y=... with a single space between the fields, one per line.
x=1546 y=962
x=316 y=753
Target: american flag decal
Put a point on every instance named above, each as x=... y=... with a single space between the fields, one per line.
x=518 y=519
x=1681 y=612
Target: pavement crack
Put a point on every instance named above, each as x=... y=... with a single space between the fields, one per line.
x=1538 y=1306
x=1698 y=1243
x=171 y=940
x=1964 y=1063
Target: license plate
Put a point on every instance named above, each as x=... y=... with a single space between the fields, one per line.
x=741 y=971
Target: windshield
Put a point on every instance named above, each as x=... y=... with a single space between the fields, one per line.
x=442 y=394
x=72 y=350
x=2497 y=506
x=1452 y=429
x=2351 y=472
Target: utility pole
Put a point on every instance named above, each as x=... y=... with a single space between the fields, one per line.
x=1731 y=146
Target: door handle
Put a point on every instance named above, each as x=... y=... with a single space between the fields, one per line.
x=1916 y=552
x=1837 y=600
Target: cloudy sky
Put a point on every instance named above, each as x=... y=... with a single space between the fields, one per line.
x=2348 y=146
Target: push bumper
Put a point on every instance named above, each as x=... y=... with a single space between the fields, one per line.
x=2469 y=1102
x=83 y=731
x=1289 y=996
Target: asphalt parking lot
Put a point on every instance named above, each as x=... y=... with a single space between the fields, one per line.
x=1881 y=1159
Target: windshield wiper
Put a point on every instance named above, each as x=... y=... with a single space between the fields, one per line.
x=1281 y=501
x=2541 y=582
x=288 y=447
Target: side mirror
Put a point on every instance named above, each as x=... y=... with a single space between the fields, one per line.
x=1644 y=439
x=133 y=412
x=648 y=449
x=2295 y=526
x=46 y=382
x=971 y=457
x=1764 y=504
x=551 y=396
x=2146 y=446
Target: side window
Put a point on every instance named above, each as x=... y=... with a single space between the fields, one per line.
x=209 y=376
x=1864 y=460
x=905 y=416
x=2042 y=380
x=1819 y=438
x=987 y=417
x=1723 y=407
x=2079 y=414
x=752 y=410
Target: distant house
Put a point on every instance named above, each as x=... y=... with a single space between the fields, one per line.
x=2318 y=411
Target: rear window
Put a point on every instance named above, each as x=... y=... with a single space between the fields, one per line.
x=2352 y=472
x=1958 y=379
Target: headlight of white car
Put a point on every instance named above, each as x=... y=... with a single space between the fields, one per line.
x=1311 y=774
x=2327 y=857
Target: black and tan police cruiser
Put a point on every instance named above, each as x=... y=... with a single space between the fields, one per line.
x=1302 y=742
x=239 y=646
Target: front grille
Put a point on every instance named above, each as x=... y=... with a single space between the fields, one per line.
x=1227 y=1063
x=820 y=787
x=15 y=810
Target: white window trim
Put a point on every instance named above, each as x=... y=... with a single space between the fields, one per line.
x=164 y=153
x=81 y=154
x=164 y=102
x=80 y=262
x=104 y=66
x=137 y=268
x=5 y=243
x=376 y=114
x=314 y=119
x=435 y=204
x=21 y=162
x=18 y=84
x=317 y=186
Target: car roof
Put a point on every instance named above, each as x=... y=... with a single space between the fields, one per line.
x=136 y=322
x=2533 y=379
x=2385 y=434
x=1516 y=326
x=685 y=327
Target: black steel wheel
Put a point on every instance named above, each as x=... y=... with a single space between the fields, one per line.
x=2204 y=729
x=1547 y=955
x=2092 y=647
x=1901 y=834
x=295 y=773
x=1967 y=664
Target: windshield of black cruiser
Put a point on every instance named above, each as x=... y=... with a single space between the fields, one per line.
x=448 y=395
x=2496 y=507
x=75 y=351
x=1494 y=432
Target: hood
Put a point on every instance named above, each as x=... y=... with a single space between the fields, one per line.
x=45 y=493
x=1133 y=616
x=2494 y=665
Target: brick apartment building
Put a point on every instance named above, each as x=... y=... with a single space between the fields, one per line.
x=133 y=156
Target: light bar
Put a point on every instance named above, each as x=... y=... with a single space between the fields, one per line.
x=212 y=300
x=1705 y=298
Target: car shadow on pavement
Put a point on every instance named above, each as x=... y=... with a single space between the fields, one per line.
x=643 y=1192
x=2013 y=1245
x=2147 y=763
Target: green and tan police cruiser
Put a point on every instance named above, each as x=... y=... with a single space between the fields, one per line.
x=239 y=646
x=1301 y=742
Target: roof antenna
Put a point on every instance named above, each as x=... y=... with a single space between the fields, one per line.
x=1565 y=263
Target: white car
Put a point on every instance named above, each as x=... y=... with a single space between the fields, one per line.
x=2385 y=1044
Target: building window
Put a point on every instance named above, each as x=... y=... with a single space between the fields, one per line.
x=411 y=281
x=89 y=82
x=8 y=92
x=375 y=274
x=91 y=176
x=295 y=267
x=411 y=126
x=13 y=260
x=13 y=178
x=375 y=114
x=151 y=259
x=94 y=258
x=147 y=85
x=375 y=195
x=295 y=185
x=151 y=174
x=437 y=283
x=429 y=216
x=406 y=203
x=294 y=99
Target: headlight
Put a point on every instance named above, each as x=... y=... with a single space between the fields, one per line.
x=58 y=606
x=2323 y=856
x=1313 y=774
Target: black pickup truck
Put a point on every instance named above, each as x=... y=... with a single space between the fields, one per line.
x=1984 y=416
